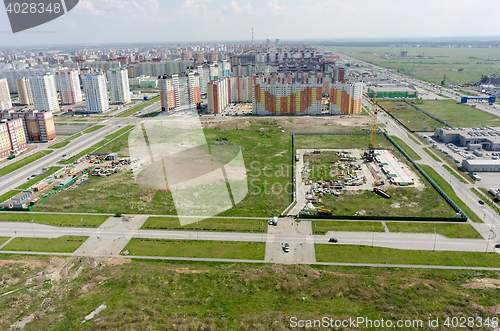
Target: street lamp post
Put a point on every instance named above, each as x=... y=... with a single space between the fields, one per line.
x=488 y=243
x=81 y=223
x=435 y=237
x=373 y=234
x=33 y=227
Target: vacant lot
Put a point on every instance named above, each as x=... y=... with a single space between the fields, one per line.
x=209 y=224
x=160 y=295
x=267 y=156
x=457 y=114
x=407 y=148
x=197 y=248
x=339 y=142
x=447 y=230
x=412 y=118
x=367 y=254
x=66 y=244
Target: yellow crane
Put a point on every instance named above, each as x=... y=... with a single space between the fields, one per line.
x=373 y=130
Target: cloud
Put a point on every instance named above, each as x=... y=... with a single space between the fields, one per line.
x=194 y=8
x=275 y=7
x=123 y=9
x=238 y=10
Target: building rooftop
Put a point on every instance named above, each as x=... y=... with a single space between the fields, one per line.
x=391 y=87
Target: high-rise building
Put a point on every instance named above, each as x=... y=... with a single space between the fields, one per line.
x=96 y=93
x=240 y=88
x=345 y=98
x=5 y=101
x=12 y=137
x=179 y=91
x=43 y=92
x=218 y=95
x=68 y=83
x=23 y=86
x=38 y=126
x=287 y=99
x=119 y=88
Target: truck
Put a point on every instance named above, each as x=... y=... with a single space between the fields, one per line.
x=382 y=193
x=325 y=212
x=297 y=158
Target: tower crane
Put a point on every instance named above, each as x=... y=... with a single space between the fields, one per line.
x=373 y=130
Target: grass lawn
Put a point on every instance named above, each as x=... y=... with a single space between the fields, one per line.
x=8 y=195
x=3 y=239
x=197 y=248
x=457 y=114
x=89 y=221
x=338 y=142
x=113 y=135
x=407 y=149
x=118 y=145
x=21 y=163
x=66 y=244
x=457 y=176
x=414 y=119
x=35 y=180
x=491 y=196
x=143 y=105
x=93 y=128
x=66 y=141
x=432 y=154
x=322 y=227
x=446 y=187
x=209 y=224
x=367 y=254
x=450 y=230
x=320 y=165
x=485 y=196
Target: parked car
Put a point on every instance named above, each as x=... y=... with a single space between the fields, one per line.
x=333 y=240
x=497 y=246
x=481 y=202
x=286 y=248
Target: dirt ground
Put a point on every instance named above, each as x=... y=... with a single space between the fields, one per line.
x=293 y=124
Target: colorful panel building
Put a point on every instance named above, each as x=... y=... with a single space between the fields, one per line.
x=345 y=98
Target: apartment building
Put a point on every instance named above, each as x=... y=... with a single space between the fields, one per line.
x=5 y=101
x=24 y=90
x=43 y=92
x=96 y=93
x=68 y=84
x=345 y=98
x=218 y=95
x=119 y=88
x=179 y=91
x=37 y=126
x=12 y=137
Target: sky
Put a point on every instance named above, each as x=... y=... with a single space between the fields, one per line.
x=164 y=21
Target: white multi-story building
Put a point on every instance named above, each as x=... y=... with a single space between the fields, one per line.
x=5 y=102
x=68 y=83
x=218 y=95
x=119 y=88
x=43 y=92
x=23 y=87
x=96 y=93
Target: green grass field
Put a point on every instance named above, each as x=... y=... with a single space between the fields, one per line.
x=112 y=136
x=66 y=244
x=139 y=108
x=90 y=221
x=450 y=230
x=457 y=176
x=209 y=224
x=21 y=163
x=320 y=165
x=35 y=180
x=432 y=154
x=367 y=254
x=446 y=187
x=457 y=114
x=76 y=157
x=412 y=118
x=322 y=227
x=93 y=128
x=66 y=141
x=3 y=239
x=445 y=62
x=407 y=149
x=339 y=142
x=197 y=248
x=119 y=145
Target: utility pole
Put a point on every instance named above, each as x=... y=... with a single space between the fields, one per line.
x=435 y=237
x=373 y=234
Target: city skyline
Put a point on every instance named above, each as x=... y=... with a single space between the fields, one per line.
x=148 y=21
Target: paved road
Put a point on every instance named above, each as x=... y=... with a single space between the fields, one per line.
x=287 y=231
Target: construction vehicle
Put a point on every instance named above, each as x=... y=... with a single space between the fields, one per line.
x=382 y=193
x=379 y=182
x=373 y=131
x=324 y=212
